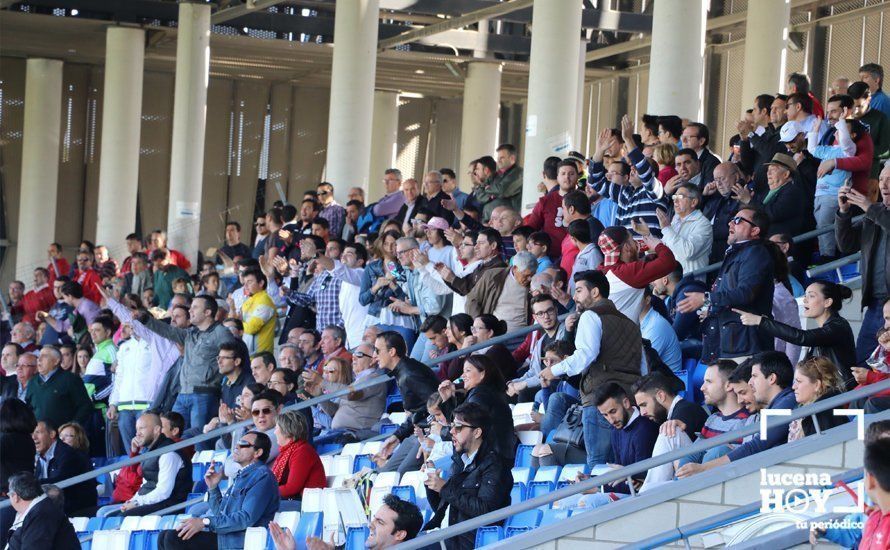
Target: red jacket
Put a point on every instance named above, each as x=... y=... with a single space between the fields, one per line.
x=874 y=377
x=876 y=535
x=569 y=253
x=88 y=280
x=128 y=481
x=62 y=265
x=37 y=300
x=304 y=470
x=860 y=165
x=179 y=259
x=547 y=216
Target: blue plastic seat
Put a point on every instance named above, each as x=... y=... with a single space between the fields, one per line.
x=386 y=429
x=151 y=542
x=329 y=448
x=529 y=518
x=362 y=461
x=523 y=456
x=552 y=516
x=538 y=488
x=356 y=537
x=393 y=396
x=488 y=535
x=86 y=544
x=138 y=540
x=94 y=524
x=405 y=492
x=548 y=473
x=311 y=524
x=112 y=523
x=518 y=493
x=167 y=522
x=523 y=475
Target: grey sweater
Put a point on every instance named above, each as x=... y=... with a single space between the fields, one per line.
x=361 y=413
x=199 y=367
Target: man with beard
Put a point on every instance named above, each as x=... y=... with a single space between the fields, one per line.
x=659 y=403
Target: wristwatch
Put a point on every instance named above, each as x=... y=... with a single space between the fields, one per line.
x=206 y=522
x=707 y=302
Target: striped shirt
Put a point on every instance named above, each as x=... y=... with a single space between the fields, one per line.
x=639 y=202
x=717 y=423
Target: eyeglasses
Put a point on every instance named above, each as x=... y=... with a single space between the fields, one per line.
x=361 y=354
x=458 y=426
x=323 y=193
x=26 y=365
x=244 y=444
x=264 y=411
x=260 y=224
x=679 y=196
x=738 y=220
x=221 y=357
x=546 y=312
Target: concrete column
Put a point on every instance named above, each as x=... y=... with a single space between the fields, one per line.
x=189 y=116
x=552 y=88
x=676 y=69
x=384 y=133
x=40 y=164
x=479 y=121
x=121 y=118
x=352 y=95
x=579 y=100
x=767 y=27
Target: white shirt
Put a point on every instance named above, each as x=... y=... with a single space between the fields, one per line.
x=588 y=337
x=168 y=465
x=134 y=379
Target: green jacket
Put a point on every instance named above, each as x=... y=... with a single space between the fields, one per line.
x=63 y=398
x=163 y=284
x=502 y=189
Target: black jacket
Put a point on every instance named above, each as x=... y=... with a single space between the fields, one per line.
x=16 y=455
x=66 y=463
x=419 y=203
x=708 y=162
x=826 y=418
x=833 y=340
x=719 y=210
x=9 y=387
x=864 y=237
x=495 y=401
x=416 y=383
x=787 y=210
x=757 y=151
x=686 y=325
x=690 y=414
x=481 y=487
x=434 y=205
x=45 y=527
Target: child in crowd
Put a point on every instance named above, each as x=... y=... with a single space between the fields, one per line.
x=539 y=244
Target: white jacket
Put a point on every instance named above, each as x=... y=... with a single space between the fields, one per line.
x=134 y=379
x=690 y=240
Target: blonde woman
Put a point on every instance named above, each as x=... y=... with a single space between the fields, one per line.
x=73 y=435
x=664 y=154
x=815 y=379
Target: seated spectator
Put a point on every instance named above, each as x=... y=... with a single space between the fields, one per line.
x=55 y=461
x=285 y=382
x=354 y=415
x=689 y=234
x=479 y=481
x=261 y=367
x=251 y=501
x=166 y=479
x=17 y=423
x=540 y=245
x=628 y=275
x=416 y=382
x=687 y=326
x=657 y=401
x=771 y=379
x=728 y=416
x=520 y=238
x=40 y=522
x=558 y=398
x=815 y=379
x=297 y=466
x=655 y=328
x=530 y=354
x=664 y=154
x=486 y=327
x=484 y=385
x=75 y=437
x=435 y=329
x=833 y=337
x=460 y=335
x=56 y=395
x=264 y=408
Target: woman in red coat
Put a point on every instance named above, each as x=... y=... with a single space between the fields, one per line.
x=297 y=466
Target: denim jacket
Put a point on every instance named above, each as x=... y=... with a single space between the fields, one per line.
x=251 y=501
x=381 y=299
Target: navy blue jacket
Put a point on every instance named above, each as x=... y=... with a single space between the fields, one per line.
x=631 y=444
x=686 y=325
x=776 y=435
x=68 y=462
x=745 y=282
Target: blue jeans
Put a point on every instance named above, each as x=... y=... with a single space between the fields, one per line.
x=555 y=410
x=421 y=350
x=106 y=511
x=597 y=437
x=704 y=456
x=126 y=424
x=872 y=322
x=196 y=408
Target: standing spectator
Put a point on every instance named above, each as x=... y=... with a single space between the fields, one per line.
x=432 y=190
x=323 y=295
x=58 y=266
x=251 y=501
x=199 y=378
x=799 y=83
x=479 y=481
x=134 y=246
x=25 y=369
x=17 y=423
x=871 y=238
x=599 y=360
x=697 y=137
x=488 y=251
x=40 y=523
x=500 y=182
x=135 y=384
x=872 y=75
x=627 y=274
x=575 y=207
x=689 y=234
x=39 y=299
x=414 y=202
x=878 y=123
x=56 y=395
x=262 y=233
x=393 y=200
x=166 y=272
x=138 y=279
x=782 y=203
x=589 y=255
x=720 y=206
x=258 y=313
x=233 y=247
x=547 y=215
x=158 y=241
x=55 y=461
x=297 y=466
x=450 y=186
x=745 y=282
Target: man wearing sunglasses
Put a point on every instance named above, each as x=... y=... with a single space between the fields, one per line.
x=745 y=282
x=264 y=410
x=331 y=210
x=480 y=481
x=251 y=501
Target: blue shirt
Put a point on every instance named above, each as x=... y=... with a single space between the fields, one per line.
x=251 y=501
x=605 y=211
x=776 y=435
x=661 y=335
x=881 y=102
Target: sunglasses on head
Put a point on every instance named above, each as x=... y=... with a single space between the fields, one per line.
x=263 y=411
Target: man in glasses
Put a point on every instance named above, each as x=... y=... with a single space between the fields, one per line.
x=251 y=501
x=264 y=410
x=744 y=282
x=331 y=210
x=531 y=352
x=721 y=203
x=480 y=481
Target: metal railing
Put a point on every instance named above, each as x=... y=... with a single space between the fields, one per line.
x=626 y=473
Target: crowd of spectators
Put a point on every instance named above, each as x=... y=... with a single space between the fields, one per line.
x=126 y=354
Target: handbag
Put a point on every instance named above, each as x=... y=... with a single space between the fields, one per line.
x=571 y=430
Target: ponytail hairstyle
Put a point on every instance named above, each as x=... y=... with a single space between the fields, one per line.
x=492 y=323
x=837 y=293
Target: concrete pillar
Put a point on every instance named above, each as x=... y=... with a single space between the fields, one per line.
x=580 y=123
x=552 y=89
x=479 y=121
x=352 y=95
x=764 y=71
x=121 y=118
x=40 y=164
x=189 y=116
x=384 y=133
x=676 y=69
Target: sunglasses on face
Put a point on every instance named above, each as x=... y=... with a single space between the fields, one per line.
x=266 y=411
x=323 y=193
x=360 y=354
x=458 y=426
x=244 y=444
x=738 y=220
